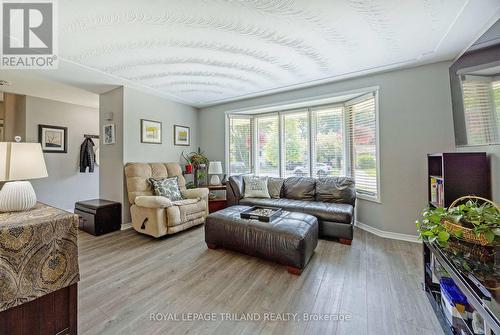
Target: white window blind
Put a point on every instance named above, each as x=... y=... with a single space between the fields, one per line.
x=296 y=156
x=481 y=118
x=362 y=125
x=319 y=141
x=328 y=139
x=240 y=145
x=268 y=146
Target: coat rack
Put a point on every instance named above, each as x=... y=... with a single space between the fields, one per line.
x=91 y=136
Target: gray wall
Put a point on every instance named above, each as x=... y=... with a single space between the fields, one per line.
x=111 y=181
x=65 y=184
x=129 y=106
x=14 y=116
x=139 y=105
x=415 y=119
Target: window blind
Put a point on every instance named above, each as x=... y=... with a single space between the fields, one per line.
x=296 y=144
x=318 y=141
x=481 y=119
x=328 y=141
x=240 y=145
x=362 y=125
x=268 y=146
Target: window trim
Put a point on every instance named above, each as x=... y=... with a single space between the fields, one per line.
x=308 y=104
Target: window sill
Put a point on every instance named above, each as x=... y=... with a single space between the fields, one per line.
x=368 y=198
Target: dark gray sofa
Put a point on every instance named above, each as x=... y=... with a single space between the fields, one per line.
x=331 y=200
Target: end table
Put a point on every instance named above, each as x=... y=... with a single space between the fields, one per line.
x=219 y=202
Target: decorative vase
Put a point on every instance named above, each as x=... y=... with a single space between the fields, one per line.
x=189 y=168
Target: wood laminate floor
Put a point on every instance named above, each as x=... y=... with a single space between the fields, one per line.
x=125 y=277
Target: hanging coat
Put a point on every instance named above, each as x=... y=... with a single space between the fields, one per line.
x=87 y=155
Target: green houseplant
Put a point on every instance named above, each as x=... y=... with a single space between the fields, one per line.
x=472 y=221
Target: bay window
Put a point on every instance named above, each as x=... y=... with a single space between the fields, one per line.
x=339 y=139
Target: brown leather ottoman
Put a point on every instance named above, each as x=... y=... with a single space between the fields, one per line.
x=289 y=240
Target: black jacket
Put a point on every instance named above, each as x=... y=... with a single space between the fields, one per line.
x=87 y=155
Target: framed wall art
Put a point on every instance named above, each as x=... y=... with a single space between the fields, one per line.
x=109 y=132
x=150 y=131
x=182 y=135
x=54 y=139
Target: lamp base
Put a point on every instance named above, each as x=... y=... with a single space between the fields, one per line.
x=17 y=196
x=215 y=180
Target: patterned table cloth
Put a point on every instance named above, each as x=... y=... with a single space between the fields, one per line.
x=38 y=254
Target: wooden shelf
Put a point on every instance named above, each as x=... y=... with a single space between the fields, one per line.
x=461 y=173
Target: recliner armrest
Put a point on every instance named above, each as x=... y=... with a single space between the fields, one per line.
x=194 y=193
x=152 y=201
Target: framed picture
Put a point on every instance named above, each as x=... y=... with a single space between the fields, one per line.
x=109 y=132
x=53 y=138
x=182 y=135
x=150 y=131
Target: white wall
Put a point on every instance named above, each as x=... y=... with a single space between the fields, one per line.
x=65 y=184
x=415 y=119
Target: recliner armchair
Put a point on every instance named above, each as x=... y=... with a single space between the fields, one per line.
x=158 y=216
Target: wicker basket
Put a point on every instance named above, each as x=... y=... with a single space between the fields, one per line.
x=467 y=233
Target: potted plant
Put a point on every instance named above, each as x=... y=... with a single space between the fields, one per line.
x=198 y=159
x=189 y=164
x=198 y=162
x=473 y=221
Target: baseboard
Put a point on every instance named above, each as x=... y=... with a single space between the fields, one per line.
x=126 y=226
x=388 y=234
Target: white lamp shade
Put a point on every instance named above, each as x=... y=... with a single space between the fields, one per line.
x=21 y=161
x=215 y=167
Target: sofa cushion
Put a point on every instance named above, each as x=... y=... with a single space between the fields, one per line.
x=334 y=212
x=166 y=187
x=299 y=188
x=255 y=187
x=274 y=186
x=336 y=189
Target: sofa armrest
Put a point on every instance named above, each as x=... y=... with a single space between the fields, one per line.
x=234 y=190
x=152 y=201
x=194 y=193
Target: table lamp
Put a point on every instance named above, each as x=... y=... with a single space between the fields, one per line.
x=18 y=163
x=215 y=168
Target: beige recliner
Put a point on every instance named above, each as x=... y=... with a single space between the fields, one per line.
x=158 y=216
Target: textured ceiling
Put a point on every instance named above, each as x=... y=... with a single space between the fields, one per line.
x=207 y=51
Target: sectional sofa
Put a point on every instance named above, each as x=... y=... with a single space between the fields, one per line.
x=331 y=200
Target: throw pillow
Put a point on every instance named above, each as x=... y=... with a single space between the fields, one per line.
x=255 y=187
x=274 y=186
x=166 y=187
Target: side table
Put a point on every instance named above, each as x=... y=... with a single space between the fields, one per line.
x=219 y=202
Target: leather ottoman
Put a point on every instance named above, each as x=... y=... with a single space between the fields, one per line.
x=289 y=240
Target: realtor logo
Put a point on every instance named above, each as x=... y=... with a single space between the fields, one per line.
x=28 y=34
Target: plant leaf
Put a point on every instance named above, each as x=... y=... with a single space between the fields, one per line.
x=489 y=236
x=443 y=236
